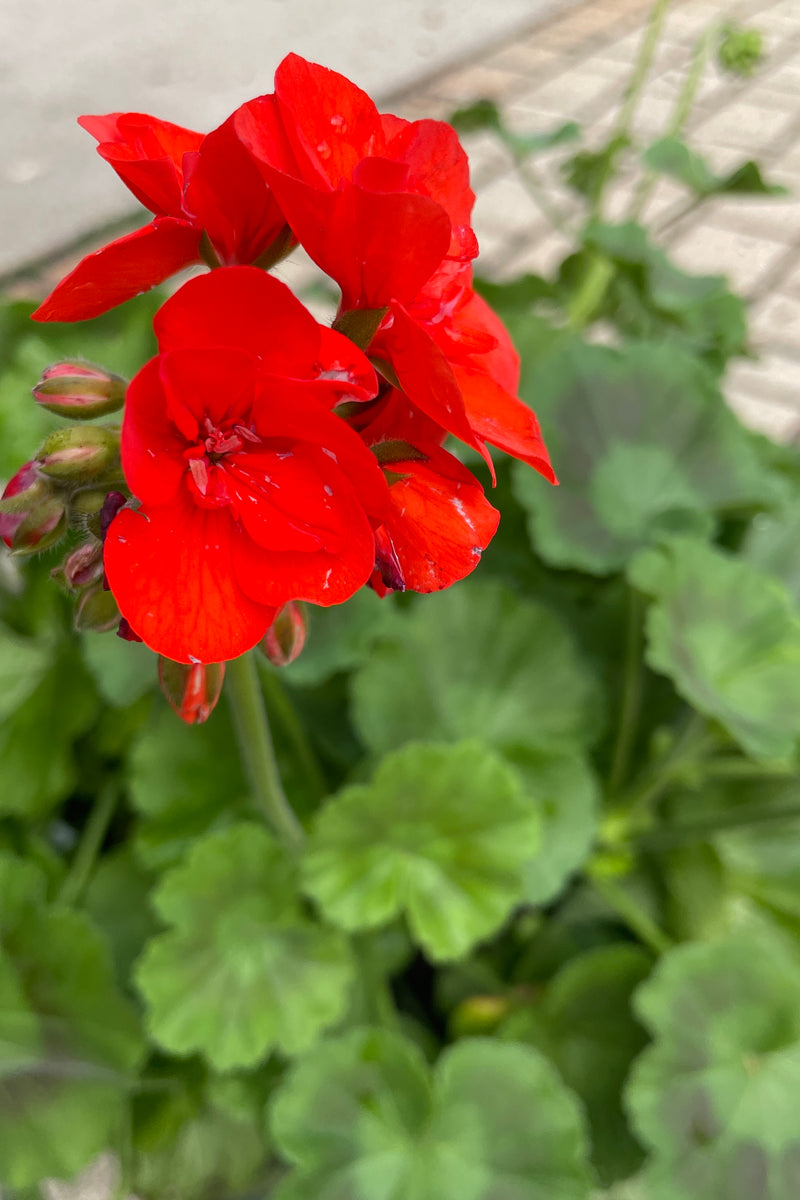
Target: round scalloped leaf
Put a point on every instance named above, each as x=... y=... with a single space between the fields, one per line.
x=566 y=794
x=69 y=1042
x=584 y=1024
x=362 y=1118
x=442 y=833
x=645 y=447
x=729 y=639
x=242 y=971
x=771 y=545
x=477 y=662
x=715 y=1096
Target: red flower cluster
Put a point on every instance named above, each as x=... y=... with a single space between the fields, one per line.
x=269 y=459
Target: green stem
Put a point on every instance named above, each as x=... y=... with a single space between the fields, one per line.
x=641 y=69
x=94 y=833
x=279 y=703
x=593 y=287
x=631 y=694
x=381 y=1004
x=689 y=748
x=634 y=916
x=742 y=818
x=681 y=113
x=538 y=193
x=256 y=749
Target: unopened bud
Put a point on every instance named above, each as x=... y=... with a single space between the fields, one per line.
x=80 y=390
x=40 y=528
x=83 y=565
x=22 y=491
x=192 y=689
x=96 y=610
x=113 y=502
x=78 y=452
x=286 y=636
x=741 y=50
x=478 y=1015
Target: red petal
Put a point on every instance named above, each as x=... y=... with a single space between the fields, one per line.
x=475 y=319
x=288 y=409
x=170 y=569
x=147 y=154
x=328 y=576
x=231 y=201
x=208 y=382
x=260 y=127
x=378 y=246
x=330 y=123
x=246 y=309
x=438 y=166
x=440 y=522
x=503 y=420
x=347 y=372
x=426 y=376
x=121 y=270
x=151 y=446
x=281 y=500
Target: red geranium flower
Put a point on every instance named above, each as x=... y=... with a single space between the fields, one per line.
x=252 y=491
x=383 y=206
x=208 y=200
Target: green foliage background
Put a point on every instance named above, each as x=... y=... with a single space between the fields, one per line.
x=542 y=941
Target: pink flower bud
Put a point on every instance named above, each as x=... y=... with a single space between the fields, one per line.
x=79 y=390
x=192 y=689
x=78 y=453
x=286 y=636
x=41 y=527
x=83 y=565
x=21 y=492
x=96 y=610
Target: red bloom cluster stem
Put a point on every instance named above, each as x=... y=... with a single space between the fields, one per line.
x=271 y=459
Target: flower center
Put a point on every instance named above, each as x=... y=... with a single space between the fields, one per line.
x=206 y=456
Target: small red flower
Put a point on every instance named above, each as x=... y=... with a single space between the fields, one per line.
x=253 y=493
x=208 y=200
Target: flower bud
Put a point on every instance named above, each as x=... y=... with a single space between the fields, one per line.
x=41 y=527
x=192 y=689
x=83 y=565
x=741 y=50
x=96 y=610
x=78 y=453
x=286 y=636
x=79 y=390
x=21 y=493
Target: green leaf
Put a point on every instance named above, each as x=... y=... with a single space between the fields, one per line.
x=670 y=156
x=644 y=447
x=587 y=172
x=122 y=671
x=69 y=1042
x=584 y=1024
x=714 y=1098
x=340 y=638
x=184 y=780
x=477 y=662
x=442 y=833
x=565 y=793
x=729 y=639
x=241 y=971
x=117 y=901
x=195 y=1137
x=36 y=738
x=362 y=1118
x=485 y=115
x=771 y=543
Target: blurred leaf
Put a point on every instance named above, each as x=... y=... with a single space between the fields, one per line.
x=241 y=971
x=587 y=172
x=566 y=795
x=197 y=1138
x=442 y=833
x=670 y=156
x=584 y=1024
x=340 y=638
x=121 y=340
x=122 y=671
x=362 y=1117
x=644 y=447
x=729 y=638
x=477 y=662
x=485 y=115
x=68 y=1041
x=117 y=901
x=184 y=780
x=771 y=544
x=714 y=1098
x=36 y=738
x=741 y=50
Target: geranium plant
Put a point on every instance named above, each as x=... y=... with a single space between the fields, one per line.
x=504 y=899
